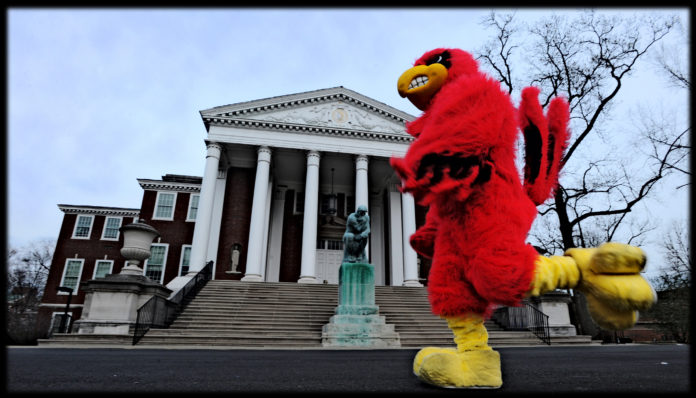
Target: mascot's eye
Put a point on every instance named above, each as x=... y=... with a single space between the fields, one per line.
x=443 y=58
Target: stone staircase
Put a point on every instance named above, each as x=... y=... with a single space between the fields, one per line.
x=290 y=315
x=252 y=314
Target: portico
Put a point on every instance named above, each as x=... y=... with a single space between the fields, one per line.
x=296 y=150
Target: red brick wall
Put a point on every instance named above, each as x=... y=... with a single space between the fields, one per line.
x=291 y=247
x=90 y=250
x=236 y=217
x=176 y=232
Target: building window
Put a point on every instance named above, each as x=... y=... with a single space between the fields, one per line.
x=350 y=205
x=154 y=266
x=329 y=244
x=111 y=228
x=193 y=207
x=83 y=227
x=299 y=203
x=164 y=209
x=71 y=274
x=185 y=260
x=103 y=268
x=56 y=320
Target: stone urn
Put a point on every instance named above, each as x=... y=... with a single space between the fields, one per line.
x=137 y=238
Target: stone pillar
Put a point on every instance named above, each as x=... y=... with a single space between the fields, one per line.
x=408 y=221
x=201 y=230
x=266 y=226
x=555 y=305
x=275 y=239
x=396 y=241
x=111 y=303
x=309 y=229
x=362 y=189
x=258 y=217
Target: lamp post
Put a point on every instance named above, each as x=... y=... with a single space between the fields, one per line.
x=64 y=321
x=332 y=197
x=137 y=238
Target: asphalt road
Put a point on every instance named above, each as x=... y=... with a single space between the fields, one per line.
x=607 y=368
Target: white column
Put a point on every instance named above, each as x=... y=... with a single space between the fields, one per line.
x=266 y=226
x=362 y=189
x=408 y=221
x=396 y=252
x=275 y=239
x=201 y=230
x=218 y=201
x=258 y=217
x=377 y=238
x=309 y=229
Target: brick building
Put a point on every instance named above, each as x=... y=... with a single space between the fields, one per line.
x=280 y=177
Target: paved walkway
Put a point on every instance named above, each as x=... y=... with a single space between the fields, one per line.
x=606 y=368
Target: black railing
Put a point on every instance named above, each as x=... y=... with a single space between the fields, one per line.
x=526 y=317
x=159 y=312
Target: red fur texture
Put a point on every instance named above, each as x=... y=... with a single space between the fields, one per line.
x=461 y=165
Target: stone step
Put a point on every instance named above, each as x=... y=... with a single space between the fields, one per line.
x=69 y=339
x=290 y=315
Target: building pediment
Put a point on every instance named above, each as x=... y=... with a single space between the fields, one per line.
x=335 y=111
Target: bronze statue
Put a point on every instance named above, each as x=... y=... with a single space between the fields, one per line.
x=356 y=236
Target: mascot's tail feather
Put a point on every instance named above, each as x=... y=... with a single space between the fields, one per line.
x=545 y=139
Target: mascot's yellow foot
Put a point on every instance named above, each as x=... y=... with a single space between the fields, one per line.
x=473 y=364
x=612 y=283
x=418 y=360
x=468 y=369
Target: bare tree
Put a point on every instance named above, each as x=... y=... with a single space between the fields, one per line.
x=587 y=60
x=27 y=270
x=672 y=61
x=674 y=285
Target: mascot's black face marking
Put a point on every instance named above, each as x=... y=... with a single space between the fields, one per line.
x=458 y=166
x=442 y=58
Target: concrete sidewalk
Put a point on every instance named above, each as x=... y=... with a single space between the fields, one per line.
x=607 y=368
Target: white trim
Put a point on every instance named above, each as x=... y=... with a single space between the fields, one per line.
x=188 y=212
x=96 y=265
x=118 y=231
x=77 y=220
x=79 y=274
x=164 y=265
x=99 y=210
x=159 y=185
x=181 y=258
x=154 y=211
x=334 y=94
x=305 y=140
x=59 y=305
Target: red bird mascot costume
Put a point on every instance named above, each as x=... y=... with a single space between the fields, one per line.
x=461 y=165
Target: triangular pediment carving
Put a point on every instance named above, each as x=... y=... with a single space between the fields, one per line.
x=336 y=109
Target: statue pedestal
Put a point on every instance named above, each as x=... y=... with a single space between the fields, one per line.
x=357 y=322
x=555 y=305
x=112 y=302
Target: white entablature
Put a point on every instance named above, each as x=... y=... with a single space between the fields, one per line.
x=343 y=118
x=99 y=210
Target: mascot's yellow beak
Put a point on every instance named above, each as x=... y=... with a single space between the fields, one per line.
x=420 y=83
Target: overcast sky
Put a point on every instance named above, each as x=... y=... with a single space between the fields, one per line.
x=98 y=98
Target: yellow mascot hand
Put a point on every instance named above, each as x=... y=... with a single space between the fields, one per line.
x=612 y=284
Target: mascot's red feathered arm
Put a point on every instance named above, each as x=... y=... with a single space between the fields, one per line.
x=545 y=139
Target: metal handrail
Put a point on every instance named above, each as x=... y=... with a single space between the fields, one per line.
x=526 y=317
x=159 y=312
